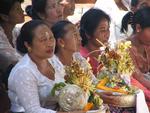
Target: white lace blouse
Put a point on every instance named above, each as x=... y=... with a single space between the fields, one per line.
x=28 y=88
x=7 y=52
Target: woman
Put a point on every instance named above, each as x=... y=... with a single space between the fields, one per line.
x=69 y=7
x=47 y=10
x=116 y=9
x=11 y=14
x=68 y=43
x=94 y=26
x=140 y=51
x=32 y=80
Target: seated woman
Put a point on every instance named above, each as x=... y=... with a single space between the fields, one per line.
x=94 y=26
x=47 y=10
x=11 y=14
x=32 y=80
x=140 y=50
x=89 y=34
x=68 y=42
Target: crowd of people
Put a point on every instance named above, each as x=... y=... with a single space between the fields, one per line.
x=33 y=57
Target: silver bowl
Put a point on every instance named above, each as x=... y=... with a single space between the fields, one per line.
x=118 y=100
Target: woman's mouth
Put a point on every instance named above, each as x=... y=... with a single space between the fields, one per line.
x=49 y=51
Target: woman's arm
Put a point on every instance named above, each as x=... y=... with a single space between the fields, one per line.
x=140 y=77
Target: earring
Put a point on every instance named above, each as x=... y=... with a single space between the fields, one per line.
x=29 y=49
x=62 y=46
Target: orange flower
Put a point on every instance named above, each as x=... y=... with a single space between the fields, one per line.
x=88 y=106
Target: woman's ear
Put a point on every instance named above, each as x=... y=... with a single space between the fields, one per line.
x=60 y=42
x=4 y=17
x=41 y=16
x=28 y=46
x=138 y=28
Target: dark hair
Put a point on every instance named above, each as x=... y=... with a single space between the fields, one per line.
x=6 y=5
x=134 y=2
x=59 y=31
x=142 y=17
x=89 y=23
x=27 y=34
x=38 y=6
x=127 y=19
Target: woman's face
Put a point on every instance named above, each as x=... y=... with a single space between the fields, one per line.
x=43 y=43
x=72 y=39
x=145 y=36
x=16 y=15
x=143 y=3
x=54 y=12
x=69 y=7
x=101 y=33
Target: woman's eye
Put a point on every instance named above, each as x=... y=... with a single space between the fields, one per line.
x=103 y=30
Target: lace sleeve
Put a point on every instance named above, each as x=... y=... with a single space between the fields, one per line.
x=26 y=86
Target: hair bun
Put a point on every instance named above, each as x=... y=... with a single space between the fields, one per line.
x=28 y=10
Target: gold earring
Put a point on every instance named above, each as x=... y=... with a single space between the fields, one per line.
x=62 y=46
x=29 y=49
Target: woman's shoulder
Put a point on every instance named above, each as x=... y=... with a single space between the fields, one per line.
x=25 y=64
x=22 y=70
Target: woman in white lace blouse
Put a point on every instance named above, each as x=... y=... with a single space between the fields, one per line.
x=31 y=80
x=11 y=14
